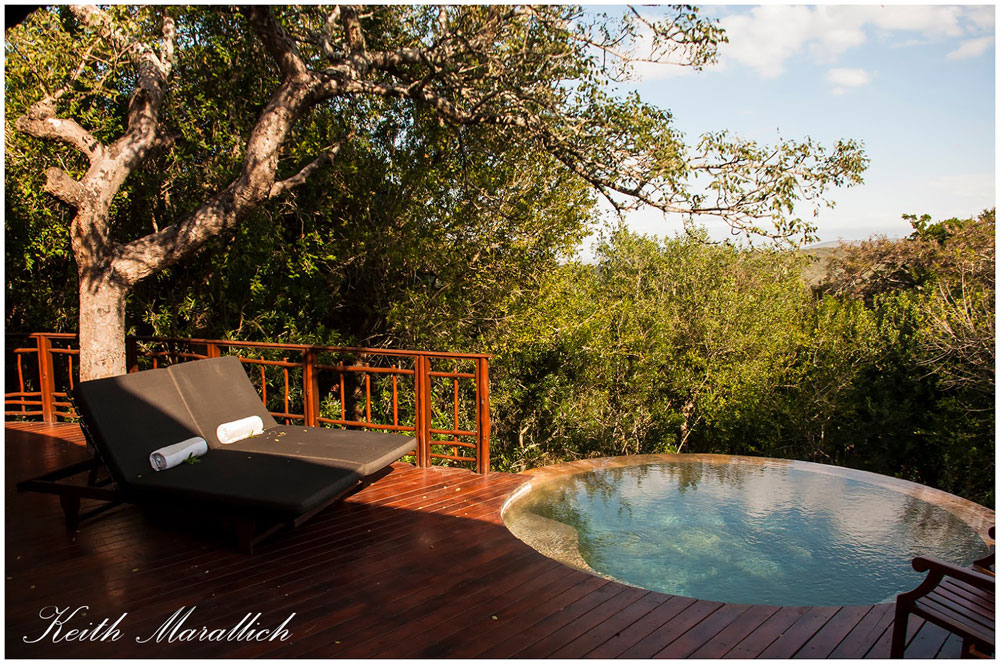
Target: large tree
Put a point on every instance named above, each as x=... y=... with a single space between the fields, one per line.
x=538 y=77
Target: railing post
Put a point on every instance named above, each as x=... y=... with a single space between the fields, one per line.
x=46 y=378
x=483 y=429
x=310 y=387
x=422 y=410
x=131 y=354
x=212 y=350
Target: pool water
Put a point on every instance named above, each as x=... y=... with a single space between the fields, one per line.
x=760 y=533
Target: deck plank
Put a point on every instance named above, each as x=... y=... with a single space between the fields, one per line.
x=525 y=615
x=735 y=632
x=759 y=639
x=823 y=642
x=418 y=564
x=609 y=629
x=865 y=633
x=641 y=628
x=556 y=620
x=789 y=641
x=880 y=649
x=585 y=624
x=672 y=630
x=499 y=611
x=926 y=642
x=951 y=648
x=703 y=632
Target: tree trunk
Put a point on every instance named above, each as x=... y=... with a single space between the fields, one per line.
x=102 y=325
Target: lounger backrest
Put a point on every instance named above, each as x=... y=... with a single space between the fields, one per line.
x=130 y=416
x=217 y=391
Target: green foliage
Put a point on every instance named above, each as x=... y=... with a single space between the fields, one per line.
x=414 y=213
x=651 y=344
x=724 y=350
x=408 y=230
x=432 y=233
x=474 y=180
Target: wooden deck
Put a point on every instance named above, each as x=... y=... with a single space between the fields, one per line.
x=417 y=565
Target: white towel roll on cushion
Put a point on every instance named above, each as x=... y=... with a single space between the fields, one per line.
x=230 y=432
x=174 y=455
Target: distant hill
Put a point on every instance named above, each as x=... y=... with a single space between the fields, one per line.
x=818 y=270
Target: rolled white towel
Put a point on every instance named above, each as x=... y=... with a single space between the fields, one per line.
x=174 y=455
x=230 y=432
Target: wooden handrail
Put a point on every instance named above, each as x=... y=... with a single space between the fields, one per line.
x=303 y=347
x=455 y=427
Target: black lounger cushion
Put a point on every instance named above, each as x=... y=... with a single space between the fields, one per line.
x=278 y=485
x=218 y=391
x=130 y=416
x=366 y=450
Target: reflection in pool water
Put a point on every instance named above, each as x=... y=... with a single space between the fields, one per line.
x=764 y=533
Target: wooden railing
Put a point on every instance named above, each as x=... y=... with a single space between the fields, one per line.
x=441 y=398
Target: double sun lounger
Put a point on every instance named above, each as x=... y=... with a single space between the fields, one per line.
x=259 y=484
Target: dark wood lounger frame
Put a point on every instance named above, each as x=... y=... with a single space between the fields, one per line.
x=70 y=494
x=249 y=529
x=962 y=600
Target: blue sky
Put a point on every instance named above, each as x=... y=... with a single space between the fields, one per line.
x=915 y=84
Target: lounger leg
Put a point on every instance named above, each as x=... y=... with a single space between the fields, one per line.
x=899 y=631
x=245 y=531
x=71 y=509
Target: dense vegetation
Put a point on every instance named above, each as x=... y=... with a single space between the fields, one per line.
x=167 y=129
x=423 y=233
x=886 y=366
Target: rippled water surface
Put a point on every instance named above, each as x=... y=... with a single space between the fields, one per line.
x=749 y=533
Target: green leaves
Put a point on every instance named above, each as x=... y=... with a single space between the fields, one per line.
x=450 y=216
x=660 y=345
x=503 y=177
x=647 y=347
x=749 y=184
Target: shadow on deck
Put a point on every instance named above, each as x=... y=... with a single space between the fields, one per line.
x=416 y=565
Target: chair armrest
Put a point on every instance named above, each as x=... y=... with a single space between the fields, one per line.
x=936 y=571
x=940 y=568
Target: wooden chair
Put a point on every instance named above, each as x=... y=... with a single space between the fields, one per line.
x=959 y=599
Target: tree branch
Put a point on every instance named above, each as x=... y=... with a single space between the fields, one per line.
x=279 y=45
x=62 y=186
x=353 y=35
x=280 y=187
x=147 y=255
x=144 y=107
x=41 y=122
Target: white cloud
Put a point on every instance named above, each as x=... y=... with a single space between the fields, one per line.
x=845 y=78
x=971 y=48
x=931 y=20
x=982 y=17
x=766 y=37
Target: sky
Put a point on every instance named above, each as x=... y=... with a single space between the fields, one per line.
x=915 y=84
